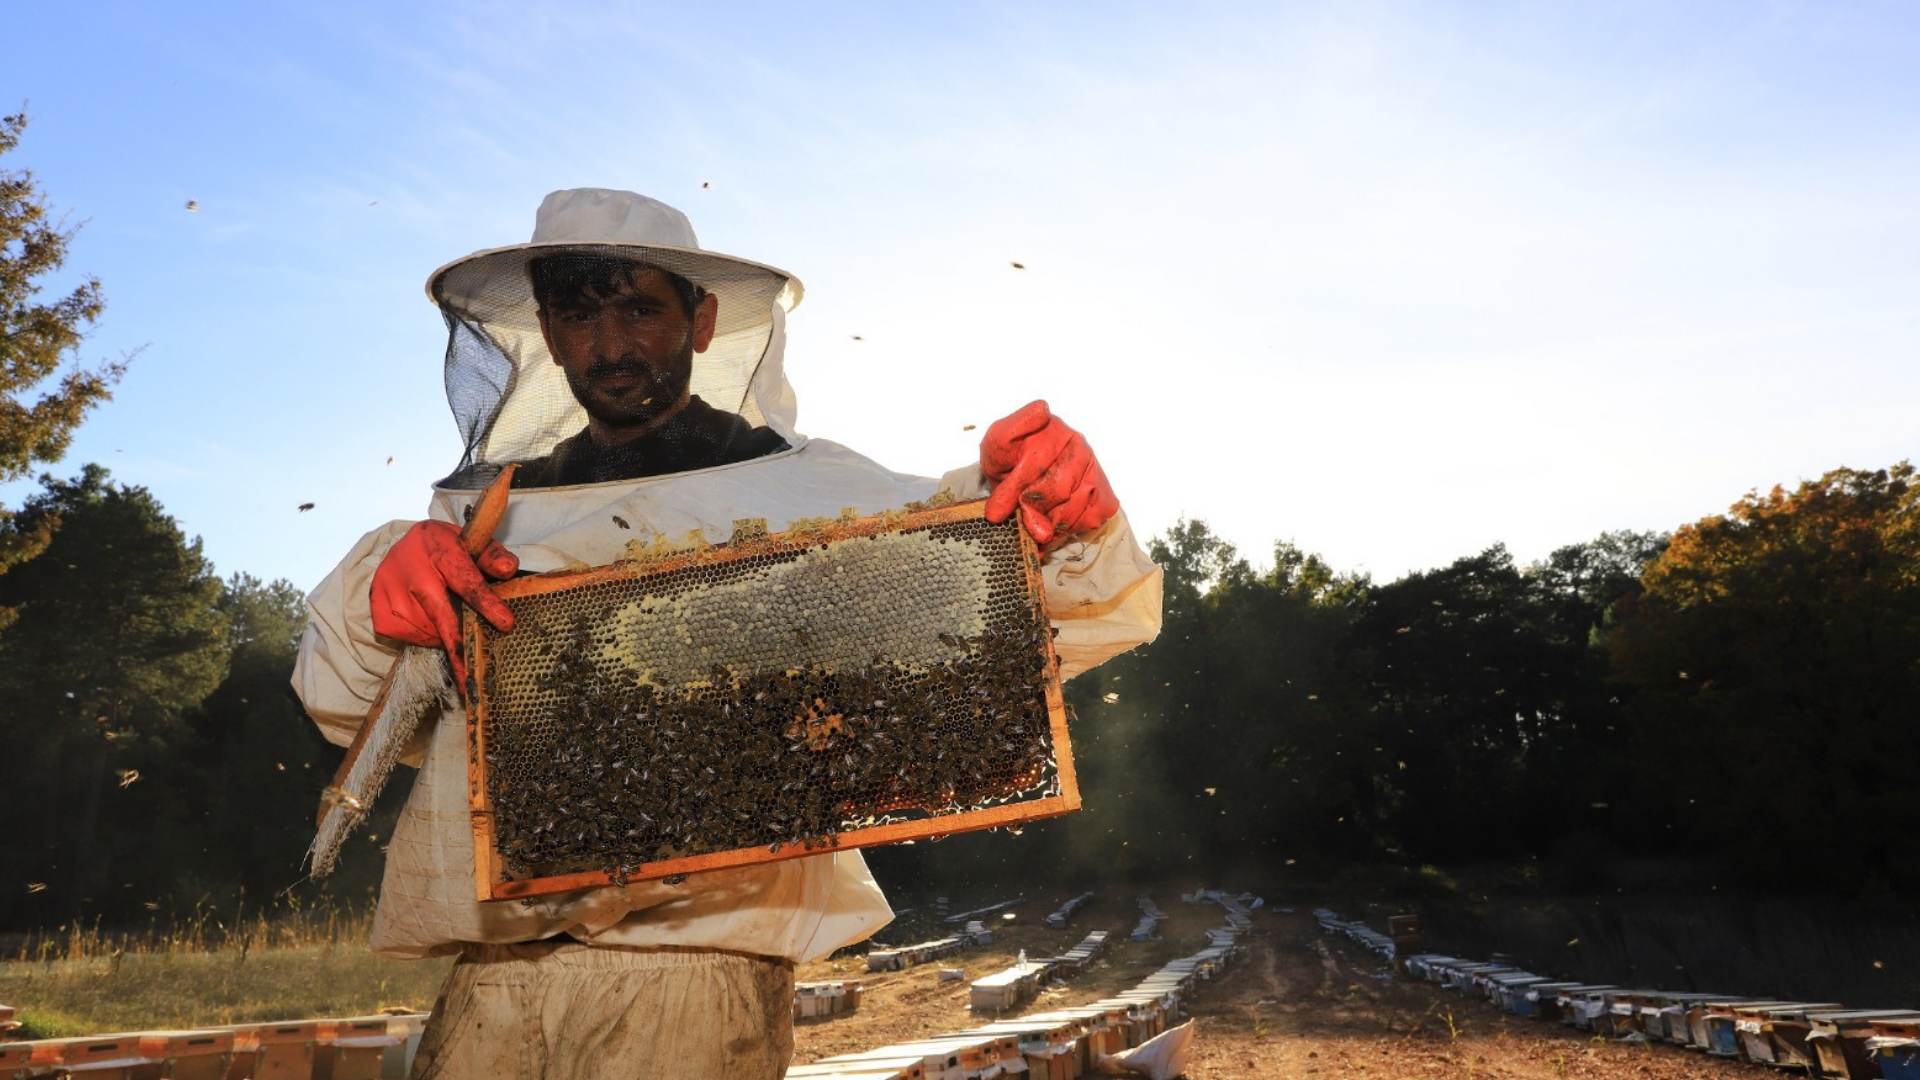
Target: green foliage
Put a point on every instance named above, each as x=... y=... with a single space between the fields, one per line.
x=1492 y=729
x=160 y=755
x=120 y=634
x=1776 y=659
x=1299 y=714
x=258 y=762
x=1585 y=583
x=1296 y=716
x=1212 y=743
x=37 y=337
x=125 y=613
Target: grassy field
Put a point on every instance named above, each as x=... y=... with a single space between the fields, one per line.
x=281 y=966
x=198 y=969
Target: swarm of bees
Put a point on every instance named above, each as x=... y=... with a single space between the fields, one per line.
x=619 y=770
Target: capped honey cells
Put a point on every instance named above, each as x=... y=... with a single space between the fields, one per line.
x=779 y=694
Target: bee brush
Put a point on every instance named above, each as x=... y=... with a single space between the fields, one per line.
x=416 y=684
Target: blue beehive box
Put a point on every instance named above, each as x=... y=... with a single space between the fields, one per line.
x=1895 y=1047
x=1723 y=1039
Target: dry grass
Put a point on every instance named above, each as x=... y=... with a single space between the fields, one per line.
x=285 y=964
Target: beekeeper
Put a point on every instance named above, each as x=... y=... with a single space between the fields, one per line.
x=638 y=381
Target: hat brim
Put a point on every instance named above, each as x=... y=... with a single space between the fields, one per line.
x=493 y=285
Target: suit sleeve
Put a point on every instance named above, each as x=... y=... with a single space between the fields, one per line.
x=342 y=661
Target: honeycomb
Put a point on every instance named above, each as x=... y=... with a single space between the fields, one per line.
x=779 y=694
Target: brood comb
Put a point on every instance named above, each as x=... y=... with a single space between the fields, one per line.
x=849 y=682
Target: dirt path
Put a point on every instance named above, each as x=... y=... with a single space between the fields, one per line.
x=1295 y=1004
x=1305 y=1005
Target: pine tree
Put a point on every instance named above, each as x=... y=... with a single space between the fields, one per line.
x=39 y=404
x=121 y=634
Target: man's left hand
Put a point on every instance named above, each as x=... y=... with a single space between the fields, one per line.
x=1047 y=469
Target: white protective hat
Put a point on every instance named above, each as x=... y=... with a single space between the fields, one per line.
x=512 y=401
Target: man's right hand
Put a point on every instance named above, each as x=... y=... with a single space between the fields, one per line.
x=411 y=587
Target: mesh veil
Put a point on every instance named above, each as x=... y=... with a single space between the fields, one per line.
x=512 y=403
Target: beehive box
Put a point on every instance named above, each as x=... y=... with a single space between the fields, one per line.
x=1004 y=990
x=189 y=1055
x=1839 y=1040
x=1585 y=1005
x=1775 y=1033
x=1895 y=1047
x=1620 y=1015
x=1542 y=1000
x=1509 y=989
x=850 y=682
x=353 y=1049
x=1723 y=1036
x=1787 y=1029
x=96 y=1057
x=15 y=1060
x=274 y=1050
x=893 y=1066
x=1698 y=1035
x=1666 y=1016
x=1405 y=932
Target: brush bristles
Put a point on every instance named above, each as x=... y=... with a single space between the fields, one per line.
x=421 y=684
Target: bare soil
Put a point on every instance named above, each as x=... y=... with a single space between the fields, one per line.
x=1294 y=1004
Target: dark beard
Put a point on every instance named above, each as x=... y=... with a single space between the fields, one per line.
x=656 y=395
x=697 y=437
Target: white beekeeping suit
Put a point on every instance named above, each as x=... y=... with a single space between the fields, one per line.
x=513 y=405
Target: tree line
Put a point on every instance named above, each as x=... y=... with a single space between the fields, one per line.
x=158 y=756
x=1733 y=697
x=1725 y=704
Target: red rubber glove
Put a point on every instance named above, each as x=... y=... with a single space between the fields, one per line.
x=411 y=589
x=1045 y=467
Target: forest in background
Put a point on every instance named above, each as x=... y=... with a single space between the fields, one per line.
x=1725 y=705
x=160 y=760
x=1730 y=697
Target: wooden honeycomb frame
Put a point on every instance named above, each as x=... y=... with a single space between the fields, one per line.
x=495 y=882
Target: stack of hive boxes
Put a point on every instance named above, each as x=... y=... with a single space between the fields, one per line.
x=906 y=956
x=1021 y=983
x=358 y=1048
x=1058 y=1044
x=1817 y=1038
x=1058 y=920
x=1150 y=916
x=818 y=999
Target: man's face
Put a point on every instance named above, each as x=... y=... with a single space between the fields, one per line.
x=628 y=351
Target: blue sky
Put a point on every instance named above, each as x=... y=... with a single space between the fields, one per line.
x=1394 y=281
